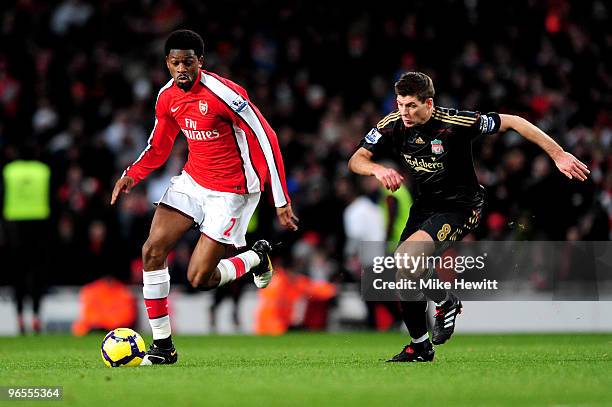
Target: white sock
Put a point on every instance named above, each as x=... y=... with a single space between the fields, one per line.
x=235 y=267
x=421 y=339
x=156 y=287
x=161 y=327
x=251 y=259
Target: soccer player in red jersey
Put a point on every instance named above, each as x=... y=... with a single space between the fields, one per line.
x=232 y=152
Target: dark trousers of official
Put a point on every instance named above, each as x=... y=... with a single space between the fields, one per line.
x=28 y=242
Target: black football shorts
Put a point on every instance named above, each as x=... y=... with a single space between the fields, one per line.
x=442 y=225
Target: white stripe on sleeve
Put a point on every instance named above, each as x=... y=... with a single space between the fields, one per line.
x=251 y=176
x=242 y=108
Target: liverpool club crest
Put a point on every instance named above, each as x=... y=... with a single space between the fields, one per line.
x=203 y=107
x=436 y=146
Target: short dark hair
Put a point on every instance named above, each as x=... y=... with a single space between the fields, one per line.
x=415 y=84
x=185 y=39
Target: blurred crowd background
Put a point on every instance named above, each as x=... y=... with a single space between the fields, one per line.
x=79 y=79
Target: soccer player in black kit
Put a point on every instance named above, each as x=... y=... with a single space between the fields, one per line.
x=435 y=143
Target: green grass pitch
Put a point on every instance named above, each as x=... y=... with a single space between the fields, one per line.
x=321 y=370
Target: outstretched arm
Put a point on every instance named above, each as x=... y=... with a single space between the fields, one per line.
x=361 y=163
x=569 y=165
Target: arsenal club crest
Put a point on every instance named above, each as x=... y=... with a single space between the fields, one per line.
x=203 y=107
x=436 y=146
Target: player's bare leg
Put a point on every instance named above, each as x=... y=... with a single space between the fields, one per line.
x=207 y=269
x=418 y=245
x=166 y=229
x=202 y=272
x=168 y=226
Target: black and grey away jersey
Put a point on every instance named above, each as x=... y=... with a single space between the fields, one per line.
x=438 y=153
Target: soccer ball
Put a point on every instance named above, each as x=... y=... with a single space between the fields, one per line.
x=122 y=347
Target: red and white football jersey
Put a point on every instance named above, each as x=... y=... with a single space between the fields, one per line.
x=232 y=148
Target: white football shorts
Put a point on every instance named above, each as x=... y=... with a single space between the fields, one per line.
x=222 y=216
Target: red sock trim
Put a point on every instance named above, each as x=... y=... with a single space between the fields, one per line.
x=157 y=308
x=239 y=265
